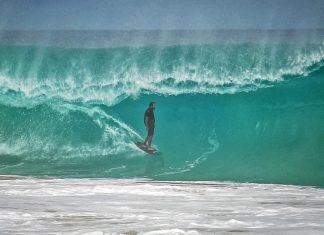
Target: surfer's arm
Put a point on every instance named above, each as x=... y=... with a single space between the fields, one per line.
x=146 y=121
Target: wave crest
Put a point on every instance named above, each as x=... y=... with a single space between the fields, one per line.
x=111 y=75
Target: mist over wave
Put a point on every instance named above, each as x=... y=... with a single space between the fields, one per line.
x=109 y=75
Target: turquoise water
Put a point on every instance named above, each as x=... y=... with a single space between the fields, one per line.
x=245 y=111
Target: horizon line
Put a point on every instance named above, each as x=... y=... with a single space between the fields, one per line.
x=128 y=30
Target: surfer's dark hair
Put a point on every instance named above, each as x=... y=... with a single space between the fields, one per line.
x=151 y=103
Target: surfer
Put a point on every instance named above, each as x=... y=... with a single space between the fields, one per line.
x=149 y=121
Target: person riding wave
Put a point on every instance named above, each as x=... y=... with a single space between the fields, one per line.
x=149 y=121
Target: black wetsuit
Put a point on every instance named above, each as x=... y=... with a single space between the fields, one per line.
x=149 y=114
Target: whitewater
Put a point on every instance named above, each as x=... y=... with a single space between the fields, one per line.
x=239 y=123
x=120 y=206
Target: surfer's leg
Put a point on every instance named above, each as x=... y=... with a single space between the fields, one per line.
x=150 y=140
x=150 y=133
x=146 y=140
x=149 y=137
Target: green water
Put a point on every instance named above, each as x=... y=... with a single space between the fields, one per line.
x=247 y=112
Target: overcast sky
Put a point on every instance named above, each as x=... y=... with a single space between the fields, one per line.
x=161 y=14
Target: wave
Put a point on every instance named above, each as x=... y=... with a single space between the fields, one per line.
x=112 y=74
x=225 y=111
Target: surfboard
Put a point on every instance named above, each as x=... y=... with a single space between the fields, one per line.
x=149 y=150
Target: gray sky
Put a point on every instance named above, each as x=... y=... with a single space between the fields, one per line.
x=161 y=14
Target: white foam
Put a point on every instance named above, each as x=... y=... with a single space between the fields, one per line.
x=130 y=81
x=172 y=232
x=11 y=149
x=150 y=207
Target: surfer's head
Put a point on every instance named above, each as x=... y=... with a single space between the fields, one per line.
x=152 y=105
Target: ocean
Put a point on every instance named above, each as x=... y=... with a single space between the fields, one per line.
x=239 y=110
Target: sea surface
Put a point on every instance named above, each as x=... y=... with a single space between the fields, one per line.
x=239 y=127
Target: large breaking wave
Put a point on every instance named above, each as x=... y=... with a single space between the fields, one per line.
x=249 y=111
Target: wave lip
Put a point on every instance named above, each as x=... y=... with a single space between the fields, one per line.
x=110 y=75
